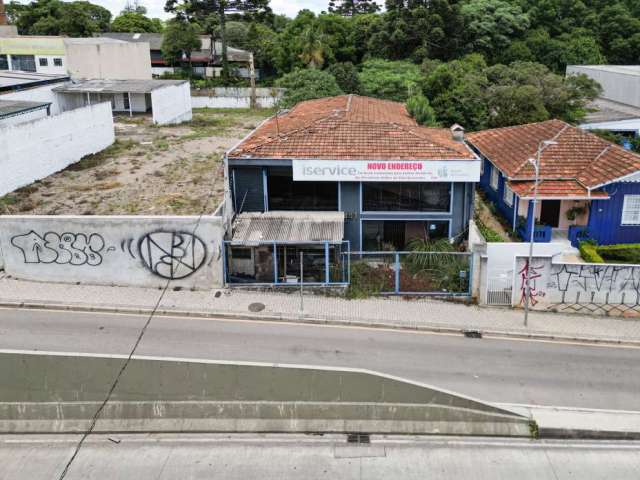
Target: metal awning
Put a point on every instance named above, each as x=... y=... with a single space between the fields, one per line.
x=288 y=227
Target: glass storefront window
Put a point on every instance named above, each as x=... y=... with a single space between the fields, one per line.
x=388 y=235
x=285 y=194
x=406 y=197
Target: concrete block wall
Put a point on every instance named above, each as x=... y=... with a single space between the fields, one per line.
x=235 y=97
x=557 y=286
x=171 y=104
x=34 y=150
x=114 y=250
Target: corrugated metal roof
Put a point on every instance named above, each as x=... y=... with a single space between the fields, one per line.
x=9 y=108
x=116 y=86
x=253 y=228
x=17 y=80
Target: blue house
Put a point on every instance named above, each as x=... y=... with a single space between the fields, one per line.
x=588 y=187
x=343 y=172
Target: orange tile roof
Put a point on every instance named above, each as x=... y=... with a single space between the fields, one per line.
x=555 y=189
x=350 y=127
x=580 y=157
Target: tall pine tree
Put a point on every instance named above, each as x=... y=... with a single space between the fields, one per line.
x=201 y=10
x=349 y=8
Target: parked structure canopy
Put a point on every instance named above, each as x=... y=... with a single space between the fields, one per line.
x=116 y=86
x=11 y=108
x=285 y=227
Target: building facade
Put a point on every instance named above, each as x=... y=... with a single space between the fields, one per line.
x=391 y=180
x=588 y=187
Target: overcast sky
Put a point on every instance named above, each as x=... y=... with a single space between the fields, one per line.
x=156 y=7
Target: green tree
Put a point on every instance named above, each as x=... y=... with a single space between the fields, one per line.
x=135 y=22
x=346 y=75
x=307 y=84
x=203 y=9
x=490 y=25
x=179 y=40
x=54 y=17
x=263 y=42
x=419 y=108
x=389 y=80
x=314 y=47
x=349 y=8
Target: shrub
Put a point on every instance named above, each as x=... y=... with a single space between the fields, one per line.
x=389 y=80
x=346 y=74
x=589 y=253
x=307 y=84
x=489 y=234
x=629 y=253
x=419 y=108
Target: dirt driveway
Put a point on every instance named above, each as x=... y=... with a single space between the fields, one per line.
x=150 y=170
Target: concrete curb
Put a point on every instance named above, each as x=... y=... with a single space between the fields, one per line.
x=542 y=336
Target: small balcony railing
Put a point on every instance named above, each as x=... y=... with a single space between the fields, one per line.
x=541 y=233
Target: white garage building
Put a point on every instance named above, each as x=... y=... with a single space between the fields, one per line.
x=169 y=101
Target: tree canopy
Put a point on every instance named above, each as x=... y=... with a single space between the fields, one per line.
x=54 y=17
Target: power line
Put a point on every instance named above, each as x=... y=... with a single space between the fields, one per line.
x=126 y=363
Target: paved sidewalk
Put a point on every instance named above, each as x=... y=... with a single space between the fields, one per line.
x=426 y=313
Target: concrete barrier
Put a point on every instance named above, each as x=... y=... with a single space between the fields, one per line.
x=235 y=97
x=61 y=393
x=114 y=250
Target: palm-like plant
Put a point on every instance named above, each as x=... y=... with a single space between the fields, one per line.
x=314 y=48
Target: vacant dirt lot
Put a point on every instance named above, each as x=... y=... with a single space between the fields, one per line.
x=148 y=171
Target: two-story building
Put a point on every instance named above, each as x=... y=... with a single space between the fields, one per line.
x=344 y=172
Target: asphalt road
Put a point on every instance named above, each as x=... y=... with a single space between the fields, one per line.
x=229 y=457
x=498 y=370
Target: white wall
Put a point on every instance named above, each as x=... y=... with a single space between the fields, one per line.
x=171 y=104
x=108 y=60
x=23 y=117
x=498 y=271
x=114 y=250
x=235 y=98
x=38 y=94
x=51 y=68
x=586 y=288
x=37 y=149
x=616 y=85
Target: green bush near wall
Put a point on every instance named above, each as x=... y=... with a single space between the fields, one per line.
x=589 y=253
x=629 y=253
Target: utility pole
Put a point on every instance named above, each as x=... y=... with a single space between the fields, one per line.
x=252 y=74
x=532 y=222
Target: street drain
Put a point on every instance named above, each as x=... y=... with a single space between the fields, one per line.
x=256 y=307
x=472 y=333
x=358 y=438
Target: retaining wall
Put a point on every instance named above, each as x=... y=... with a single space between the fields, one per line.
x=34 y=150
x=61 y=393
x=114 y=250
x=235 y=97
x=594 y=288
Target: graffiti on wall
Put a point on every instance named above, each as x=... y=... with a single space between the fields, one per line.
x=172 y=255
x=63 y=249
x=535 y=275
x=611 y=289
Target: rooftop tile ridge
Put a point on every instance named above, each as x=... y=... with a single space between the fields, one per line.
x=544 y=147
x=415 y=134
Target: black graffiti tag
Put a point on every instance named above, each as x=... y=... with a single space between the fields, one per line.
x=172 y=255
x=63 y=249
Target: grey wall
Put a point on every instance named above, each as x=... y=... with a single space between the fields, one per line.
x=224 y=396
x=116 y=250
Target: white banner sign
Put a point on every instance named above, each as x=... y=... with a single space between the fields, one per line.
x=386 y=171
